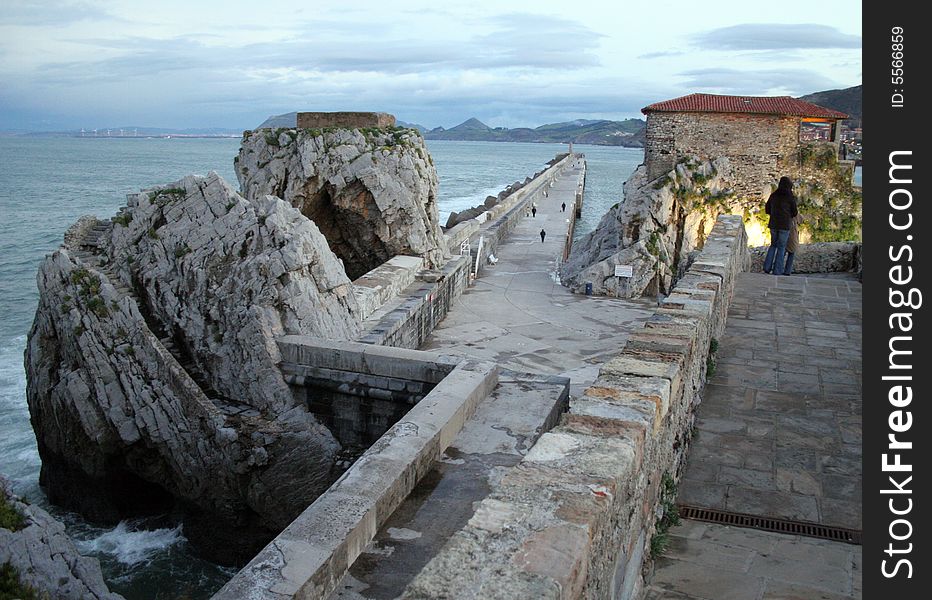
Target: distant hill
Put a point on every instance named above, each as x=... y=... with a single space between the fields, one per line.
x=276 y=121
x=847 y=101
x=629 y=132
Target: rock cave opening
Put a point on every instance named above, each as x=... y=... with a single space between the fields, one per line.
x=348 y=224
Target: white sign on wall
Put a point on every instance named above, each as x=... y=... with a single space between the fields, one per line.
x=624 y=271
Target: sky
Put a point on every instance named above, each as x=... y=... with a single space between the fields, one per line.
x=230 y=64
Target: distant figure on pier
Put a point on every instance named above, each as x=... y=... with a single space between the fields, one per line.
x=543 y=234
x=563 y=207
x=545 y=193
x=534 y=211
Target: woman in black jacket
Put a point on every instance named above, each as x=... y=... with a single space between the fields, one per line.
x=781 y=206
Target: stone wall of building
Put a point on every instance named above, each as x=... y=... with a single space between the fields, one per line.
x=348 y=120
x=757 y=146
x=576 y=517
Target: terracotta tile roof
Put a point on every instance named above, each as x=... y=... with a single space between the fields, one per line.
x=762 y=105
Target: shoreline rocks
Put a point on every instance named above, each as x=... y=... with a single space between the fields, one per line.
x=46 y=559
x=656 y=230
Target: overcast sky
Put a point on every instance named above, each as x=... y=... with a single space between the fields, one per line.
x=226 y=63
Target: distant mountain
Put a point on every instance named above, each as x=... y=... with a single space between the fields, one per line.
x=629 y=132
x=847 y=101
x=285 y=120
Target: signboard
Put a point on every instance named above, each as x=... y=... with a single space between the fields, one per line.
x=624 y=271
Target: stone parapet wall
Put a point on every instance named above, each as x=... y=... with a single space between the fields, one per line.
x=384 y=282
x=348 y=120
x=574 y=519
x=312 y=554
x=407 y=321
x=821 y=257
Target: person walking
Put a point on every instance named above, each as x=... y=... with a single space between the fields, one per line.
x=782 y=208
x=792 y=244
x=534 y=211
x=543 y=234
x=563 y=207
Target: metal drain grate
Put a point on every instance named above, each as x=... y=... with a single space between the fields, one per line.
x=824 y=532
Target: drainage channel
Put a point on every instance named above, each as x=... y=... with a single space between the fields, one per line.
x=815 y=530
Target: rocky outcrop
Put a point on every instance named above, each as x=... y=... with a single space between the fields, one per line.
x=152 y=376
x=45 y=558
x=655 y=230
x=372 y=192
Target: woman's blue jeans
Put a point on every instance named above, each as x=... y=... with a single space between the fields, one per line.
x=775 y=254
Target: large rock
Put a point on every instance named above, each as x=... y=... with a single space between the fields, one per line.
x=45 y=557
x=655 y=230
x=170 y=396
x=372 y=192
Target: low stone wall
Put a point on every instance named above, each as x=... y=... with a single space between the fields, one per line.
x=313 y=553
x=407 y=323
x=349 y=120
x=820 y=257
x=459 y=233
x=386 y=281
x=575 y=518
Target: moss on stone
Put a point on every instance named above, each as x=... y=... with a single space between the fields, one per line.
x=11 y=587
x=10 y=518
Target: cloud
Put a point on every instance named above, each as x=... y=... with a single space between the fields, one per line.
x=794 y=82
x=652 y=55
x=50 y=12
x=775 y=36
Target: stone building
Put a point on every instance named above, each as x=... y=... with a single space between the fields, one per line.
x=762 y=137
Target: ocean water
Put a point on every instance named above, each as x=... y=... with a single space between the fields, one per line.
x=47 y=183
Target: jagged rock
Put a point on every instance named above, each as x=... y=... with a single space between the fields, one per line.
x=654 y=230
x=45 y=557
x=372 y=192
x=152 y=380
x=490 y=201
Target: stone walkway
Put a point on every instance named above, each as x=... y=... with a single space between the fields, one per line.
x=778 y=434
x=519 y=315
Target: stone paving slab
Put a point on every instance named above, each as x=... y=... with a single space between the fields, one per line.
x=778 y=430
x=705 y=561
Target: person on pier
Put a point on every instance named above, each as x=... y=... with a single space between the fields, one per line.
x=781 y=206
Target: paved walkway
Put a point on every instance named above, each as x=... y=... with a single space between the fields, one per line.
x=778 y=434
x=519 y=315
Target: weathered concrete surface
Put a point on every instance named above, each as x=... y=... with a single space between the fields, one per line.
x=518 y=315
x=505 y=426
x=312 y=554
x=715 y=562
x=574 y=517
x=46 y=559
x=779 y=428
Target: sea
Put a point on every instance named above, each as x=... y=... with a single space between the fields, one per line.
x=46 y=183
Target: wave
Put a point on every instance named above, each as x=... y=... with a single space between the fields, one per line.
x=129 y=545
